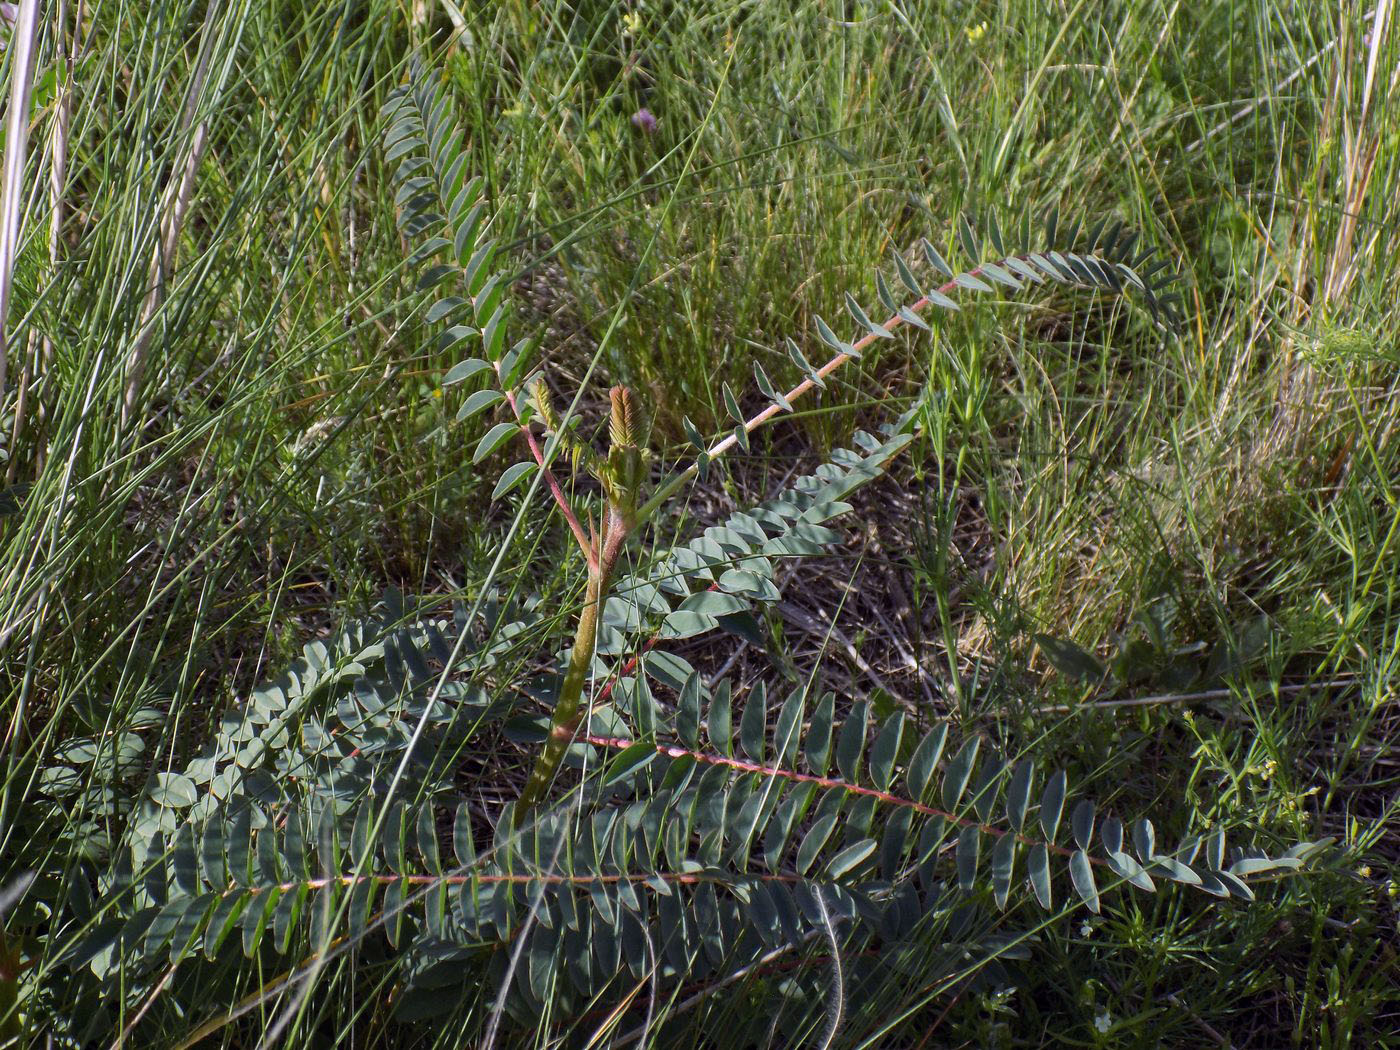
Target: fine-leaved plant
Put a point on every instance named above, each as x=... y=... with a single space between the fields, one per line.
x=678 y=836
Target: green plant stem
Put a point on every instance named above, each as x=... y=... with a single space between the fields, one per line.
x=567 y=714
x=565 y=720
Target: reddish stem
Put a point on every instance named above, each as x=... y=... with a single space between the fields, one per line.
x=721 y=447
x=555 y=490
x=741 y=766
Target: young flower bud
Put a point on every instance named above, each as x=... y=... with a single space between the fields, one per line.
x=621 y=428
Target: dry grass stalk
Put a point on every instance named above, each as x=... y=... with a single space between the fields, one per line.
x=16 y=150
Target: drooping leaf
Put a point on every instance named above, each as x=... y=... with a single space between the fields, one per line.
x=925 y=761
x=717 y=720
x=1126 y=866
x=1018 y=795
x=1081 y=874
x=1038 y=868
x=1052 y=804
x=850 y=857
x=863 y=319
x=967 y=237
x=788 y=729
x=494 y=439
x=1082 y=822
x=851 y=742
x=1145 y=841
x=1003 y=864
x=968 y=848
x=818 y=744
x=1069 y=659
x=885 y=751
x=959 y=772
x=753 y=722
x=479 y=402
x=513 y=475
x=813 y=842
x=688 y=712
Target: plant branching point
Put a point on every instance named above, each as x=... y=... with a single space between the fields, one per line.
x=622 y=473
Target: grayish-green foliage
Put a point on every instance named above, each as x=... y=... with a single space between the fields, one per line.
x=697 y=834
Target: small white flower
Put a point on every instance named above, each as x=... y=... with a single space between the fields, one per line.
x=1085 y=929
x=1103 y=1022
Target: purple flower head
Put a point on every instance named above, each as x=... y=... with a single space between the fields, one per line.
x=644 y=121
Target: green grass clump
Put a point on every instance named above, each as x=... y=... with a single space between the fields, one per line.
x=1166 y=565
